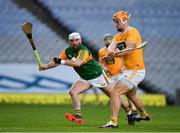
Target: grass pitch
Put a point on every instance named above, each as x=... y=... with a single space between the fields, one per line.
x=50 y=118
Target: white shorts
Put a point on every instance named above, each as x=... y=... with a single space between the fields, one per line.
x=132 y=77
x=115 y=78
x=99 y=82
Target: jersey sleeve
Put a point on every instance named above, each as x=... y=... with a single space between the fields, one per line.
x=62 y=55
x=83 y=55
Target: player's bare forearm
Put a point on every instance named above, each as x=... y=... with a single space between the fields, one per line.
x=54 y=62
x=76 y=63
x=122 y=54
x=50 y=65
x=112 y=46
x=111 y=49
x=129 y=45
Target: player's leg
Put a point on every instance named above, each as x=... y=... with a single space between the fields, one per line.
x=129 y=80
x=123 y=100
x=131 y=104
x=115 y=101
x=138 y=103
x=77 y=88
x=127 y=105
x=107 y=89
x=135 y=77
x=118 y=90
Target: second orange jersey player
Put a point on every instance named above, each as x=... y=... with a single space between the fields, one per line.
x=113 y=66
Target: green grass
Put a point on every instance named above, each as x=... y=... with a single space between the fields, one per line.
x=15 y=117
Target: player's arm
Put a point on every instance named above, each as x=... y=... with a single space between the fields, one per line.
x=113 y=46
x=50 y=65
x=76 y=63
x=130 y=44
x=62 y=59
x=111 y=49
x=82 y=57
x=100 y=59
x=54 y=62
x=57 y=61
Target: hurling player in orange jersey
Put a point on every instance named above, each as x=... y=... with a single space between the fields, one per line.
x=134 y=73
x=113 y=68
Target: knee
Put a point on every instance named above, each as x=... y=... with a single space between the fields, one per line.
x=114 y=93
x=72 y=93
x=132 y=97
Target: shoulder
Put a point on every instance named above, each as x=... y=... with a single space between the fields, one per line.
x=102 y=49
x=132 y=29
x=68 y=48
x=117 y=35
x=83 y=47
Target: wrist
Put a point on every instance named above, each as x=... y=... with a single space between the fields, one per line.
x=58 y=61
x=63 y=62
x=46 y=67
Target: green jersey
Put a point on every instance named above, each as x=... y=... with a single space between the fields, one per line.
x=90 y=69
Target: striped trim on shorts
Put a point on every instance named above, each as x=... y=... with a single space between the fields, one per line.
x=132 y=77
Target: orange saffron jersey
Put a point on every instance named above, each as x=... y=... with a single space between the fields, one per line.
x=114 y=66
x=134 y=60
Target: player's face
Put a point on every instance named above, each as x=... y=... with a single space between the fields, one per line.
x=107 y=41
x=75 y=43
x=119 y=25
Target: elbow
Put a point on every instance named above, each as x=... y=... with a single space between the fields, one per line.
x=78 y=64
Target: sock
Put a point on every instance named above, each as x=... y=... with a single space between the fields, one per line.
x=128 y=110
x=134 y=109
x=143 y=114
x=128 y=113
x=114 y=120
x=77 y=112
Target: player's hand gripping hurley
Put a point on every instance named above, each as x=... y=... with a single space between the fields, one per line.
x=142 y=45
x=27 y=29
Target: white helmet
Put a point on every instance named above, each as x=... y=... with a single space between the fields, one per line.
x=74 y=35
